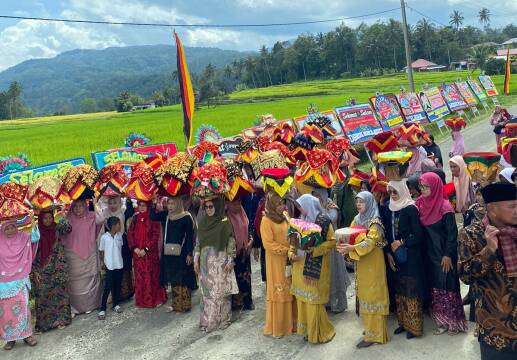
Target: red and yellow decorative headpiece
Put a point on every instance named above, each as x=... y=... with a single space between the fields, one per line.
x=205 y=147
x=141 y=185
x=12 y=197
x=79 y=181
x=456 y=123
x=378 y=181
x=46 y=192
x=271 y=159
x=357 y=178
x=283 y=133
x=247 y=151
x=277 y=180
x=210 y=180
x=175 y=175
x=382 y=142
x=283 y=149
x=320 y=169
x=112 y=181
x=238 y=186
x=482 y=166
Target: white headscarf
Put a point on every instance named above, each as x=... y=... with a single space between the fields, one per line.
x=405 y=199
x=371 y=212
x=507 y=174
x=311 y=206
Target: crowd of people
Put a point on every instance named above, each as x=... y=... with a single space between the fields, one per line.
x=405 y=237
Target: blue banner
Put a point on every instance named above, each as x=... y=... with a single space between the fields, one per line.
x=29 y=176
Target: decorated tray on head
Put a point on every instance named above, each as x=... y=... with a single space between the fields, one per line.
x=357 y=178
x=175 y=175
x=321 y=169
x=271 y=159
x=510 y=129
x=283 y=133
x=211 y=180
x=79 y=181
x=394 y=163
x=385 y=141
x=141 y=185
x=456 y=123
x=247 y=151
x=238 y=185
x=12 y=201
x=47 y=192
x=378 y=182
x=349 y=234
x=112 y=181
x=482 y=166
x=303 y=234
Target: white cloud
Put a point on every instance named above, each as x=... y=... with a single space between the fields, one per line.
x=33 y=39
x=128 y=10
x=230 y=39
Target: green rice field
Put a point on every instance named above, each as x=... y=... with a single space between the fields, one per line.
x=48 y=139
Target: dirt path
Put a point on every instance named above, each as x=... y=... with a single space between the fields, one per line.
x=154 y=334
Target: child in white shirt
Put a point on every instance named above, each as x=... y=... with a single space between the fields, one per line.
x=111 y=245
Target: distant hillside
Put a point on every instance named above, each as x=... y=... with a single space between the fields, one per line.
x=60 y=83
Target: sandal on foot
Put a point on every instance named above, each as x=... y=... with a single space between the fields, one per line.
x=440 y=331
x=453 y=332
x=31 y=341
x=9 y=345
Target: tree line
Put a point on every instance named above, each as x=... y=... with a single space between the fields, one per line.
x=11 y=105
x=368 y=50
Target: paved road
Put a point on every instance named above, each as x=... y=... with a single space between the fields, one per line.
x=154 y=334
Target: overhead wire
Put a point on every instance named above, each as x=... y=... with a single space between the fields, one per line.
x=100 y=22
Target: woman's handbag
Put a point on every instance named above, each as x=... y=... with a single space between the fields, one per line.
x=171 y=249
x=401 y=254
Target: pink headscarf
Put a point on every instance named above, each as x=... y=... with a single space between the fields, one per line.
x=458 y=145
x=83 y=236
x=239 y=221
x=462 y=184
x=16 y=255
x=433 y=207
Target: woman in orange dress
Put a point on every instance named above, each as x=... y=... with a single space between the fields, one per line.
x=280 y=305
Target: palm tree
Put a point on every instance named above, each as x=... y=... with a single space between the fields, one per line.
x=479 y=54
x=484 y=16
x=456 y=19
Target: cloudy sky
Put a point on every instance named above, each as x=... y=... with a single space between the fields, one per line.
x=25 y=39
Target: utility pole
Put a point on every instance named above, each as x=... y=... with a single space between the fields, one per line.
x=406 y=43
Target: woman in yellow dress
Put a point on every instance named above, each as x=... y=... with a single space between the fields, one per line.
x=371 y=284
x=312 y=289
x=280 y=305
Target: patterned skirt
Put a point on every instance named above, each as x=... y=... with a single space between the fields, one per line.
x=243 y=273
x=447 y=310
x=52 y=302
x=410 y=315
x=15 y=316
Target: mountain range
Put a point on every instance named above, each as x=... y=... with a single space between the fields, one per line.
x=59 y=84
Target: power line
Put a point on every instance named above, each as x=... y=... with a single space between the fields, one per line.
x=98 y=22
x=426 y=16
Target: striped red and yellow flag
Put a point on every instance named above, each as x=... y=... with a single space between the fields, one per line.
x=186 y=90
x=507 y=74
